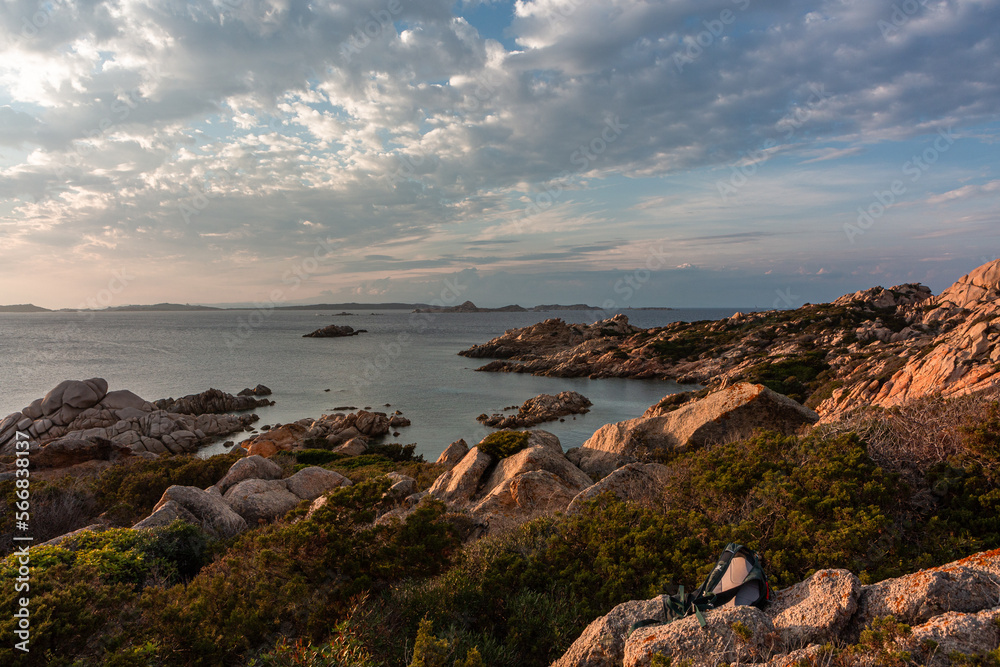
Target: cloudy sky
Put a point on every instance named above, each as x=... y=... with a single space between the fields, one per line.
x=641 y=152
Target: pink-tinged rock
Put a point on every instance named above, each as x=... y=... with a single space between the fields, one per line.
x=684 y=640
x=454 y=453
x=815 y=610
x=602 y=643
x=311 y=483
x=459 y=484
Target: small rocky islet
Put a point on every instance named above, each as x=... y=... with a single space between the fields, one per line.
x=869 y=353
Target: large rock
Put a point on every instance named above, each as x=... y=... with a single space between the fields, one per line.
x=815 y=610
x=212 y=514
x=956 y=632
x=86 y=394
x=537 y=457
x=77 y=394
x=636 y=482
x=684 y=640
x=261 y=500
x=372 y=423
x=211 y=401
x=521 y=498
x=921 y=596
x=602 y=643
x=461 y=483
x=166 y=514
x=311 y=483
x=121 y=399
x=250 y=467
x=279 y=439
x=597 y=463
x=353 y=447
x=728 y=414
x=333 y=331
x=454 y=453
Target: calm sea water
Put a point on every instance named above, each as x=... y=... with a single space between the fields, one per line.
x=414 y=368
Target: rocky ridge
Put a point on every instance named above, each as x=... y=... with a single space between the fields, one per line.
x=874 y=347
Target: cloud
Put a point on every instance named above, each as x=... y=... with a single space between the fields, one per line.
x=210 y=130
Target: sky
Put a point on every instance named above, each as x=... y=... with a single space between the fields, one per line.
x=745 y=153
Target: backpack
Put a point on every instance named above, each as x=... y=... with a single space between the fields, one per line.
x=737 y=579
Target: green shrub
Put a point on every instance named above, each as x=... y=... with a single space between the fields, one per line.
x=296 y=579
x=502 y=444
x=85 y=594
x=317 y=457
x=135 y=485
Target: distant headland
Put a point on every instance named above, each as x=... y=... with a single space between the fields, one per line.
x=467 y=307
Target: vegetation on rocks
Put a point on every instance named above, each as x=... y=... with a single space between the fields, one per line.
x=502 y=444
x=874 y=496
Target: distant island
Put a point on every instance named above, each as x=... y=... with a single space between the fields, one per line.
x=24 y=308
x=160 y=307
x=469 y=307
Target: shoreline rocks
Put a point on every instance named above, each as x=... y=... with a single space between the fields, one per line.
x=541 y=408
x=80 y=420
x=877 y=347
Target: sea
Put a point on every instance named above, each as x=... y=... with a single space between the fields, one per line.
x=404 y=361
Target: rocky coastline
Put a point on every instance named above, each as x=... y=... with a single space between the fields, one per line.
x=878 y=347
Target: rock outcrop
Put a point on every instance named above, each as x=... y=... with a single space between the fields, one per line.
x=209 y=511
x=636 y=482
x=335 y=429
x=874 y=347
x=78 y=416
x=250 y=493
x=212 y=401
x=334 y=331
x=957 y=606
x=728 y=414
x=534 y=481
x=541 y=408
x=453 y=453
